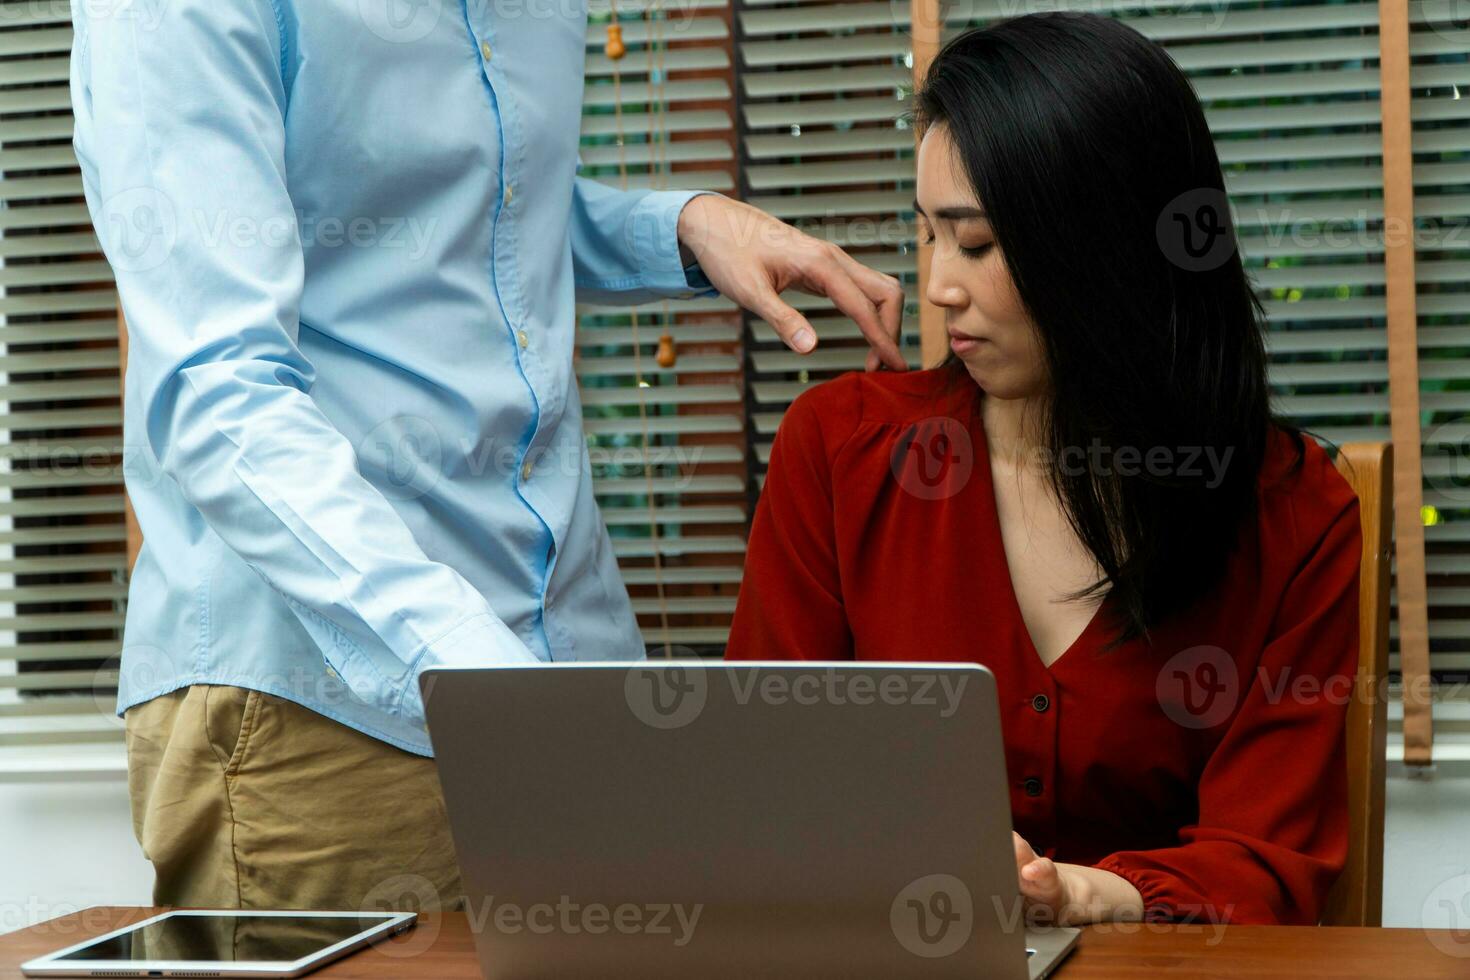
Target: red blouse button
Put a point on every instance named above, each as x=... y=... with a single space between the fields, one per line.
x=1040 y=703
x=1032 y=786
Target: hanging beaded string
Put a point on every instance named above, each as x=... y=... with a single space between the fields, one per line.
x=668 y=354
x=616 y=50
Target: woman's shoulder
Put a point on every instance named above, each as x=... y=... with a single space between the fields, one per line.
x=1302 y=495
x=885 y=397
x=853 y=424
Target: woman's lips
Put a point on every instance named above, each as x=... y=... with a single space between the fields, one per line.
x=963 y=344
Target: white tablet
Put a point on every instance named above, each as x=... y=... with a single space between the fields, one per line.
x=222 y=944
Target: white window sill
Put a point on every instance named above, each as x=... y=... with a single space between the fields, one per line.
x=59 y=764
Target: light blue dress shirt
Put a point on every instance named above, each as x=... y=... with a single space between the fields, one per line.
x=348 y=236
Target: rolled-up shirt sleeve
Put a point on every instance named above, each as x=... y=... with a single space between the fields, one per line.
x=625 y=245
x=181 y=140
x=1264 y=849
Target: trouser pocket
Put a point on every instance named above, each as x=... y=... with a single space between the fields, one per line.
x=178 y=747
x=230 y=715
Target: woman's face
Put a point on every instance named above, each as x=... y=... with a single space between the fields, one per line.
x=989 y=328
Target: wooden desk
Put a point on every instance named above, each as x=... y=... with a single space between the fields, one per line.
x=441 y=948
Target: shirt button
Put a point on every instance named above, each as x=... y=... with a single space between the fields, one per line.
x=1032 y=786
x=485 y=49
x=1040 y=703
x=523 y=339
x=526 y=470
x=510 y=192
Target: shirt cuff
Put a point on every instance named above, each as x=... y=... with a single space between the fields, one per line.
x=1158 y=903
x=480 y=641
x=655 y=233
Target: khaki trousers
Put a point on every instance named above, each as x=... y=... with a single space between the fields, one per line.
x=243 y=800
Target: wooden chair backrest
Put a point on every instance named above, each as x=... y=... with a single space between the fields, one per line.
x=1357 y=898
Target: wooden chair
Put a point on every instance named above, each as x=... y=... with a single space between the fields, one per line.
x=1357 y=898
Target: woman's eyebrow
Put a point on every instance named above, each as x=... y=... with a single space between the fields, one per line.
x=952 y=213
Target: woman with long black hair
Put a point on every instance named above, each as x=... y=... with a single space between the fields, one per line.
x=1091 y=497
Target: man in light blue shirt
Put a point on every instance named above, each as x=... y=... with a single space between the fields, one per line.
x=348 y=236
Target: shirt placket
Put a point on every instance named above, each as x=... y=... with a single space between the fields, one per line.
x=1035 y=720
x=536 y=464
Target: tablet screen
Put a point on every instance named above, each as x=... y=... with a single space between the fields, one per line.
x=226 y=938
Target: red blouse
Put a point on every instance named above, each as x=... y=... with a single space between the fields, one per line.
x=1207 y=766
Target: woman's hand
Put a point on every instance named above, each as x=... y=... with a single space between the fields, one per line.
x=1070 y=894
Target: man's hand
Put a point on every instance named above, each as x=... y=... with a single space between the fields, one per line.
x=1072 y=895
x=751 y=257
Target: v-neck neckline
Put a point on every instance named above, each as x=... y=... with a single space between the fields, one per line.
x=1094 y=623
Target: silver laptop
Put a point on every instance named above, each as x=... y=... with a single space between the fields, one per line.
x=683 y=819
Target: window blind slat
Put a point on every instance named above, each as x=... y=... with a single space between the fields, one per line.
x=61 y=523
x=672 y=129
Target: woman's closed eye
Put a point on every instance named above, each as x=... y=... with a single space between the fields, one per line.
x=976 y=251
x=973 y=251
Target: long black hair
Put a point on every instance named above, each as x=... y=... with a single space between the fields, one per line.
x=1090 y=154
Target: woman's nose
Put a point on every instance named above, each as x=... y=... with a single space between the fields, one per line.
x=941 y=290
